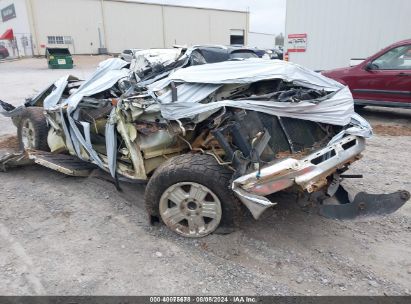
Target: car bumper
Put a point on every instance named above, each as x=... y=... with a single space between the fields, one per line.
x=309 y=173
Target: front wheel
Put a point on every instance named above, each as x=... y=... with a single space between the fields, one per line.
x=191 y=194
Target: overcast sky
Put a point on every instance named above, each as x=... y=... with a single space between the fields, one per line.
x=266 y=16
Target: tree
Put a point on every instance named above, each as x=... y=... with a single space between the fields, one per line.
x=279 y=40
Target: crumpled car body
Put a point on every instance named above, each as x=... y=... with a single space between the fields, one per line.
x=272 y=125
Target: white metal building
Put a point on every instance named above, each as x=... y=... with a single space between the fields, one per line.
x=85 y=26
x=326 y=34
x=261 y=40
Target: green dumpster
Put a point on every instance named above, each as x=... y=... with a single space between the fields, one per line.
x=59 y=58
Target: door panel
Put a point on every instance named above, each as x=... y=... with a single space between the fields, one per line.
x=384 y=85
x=387 y=79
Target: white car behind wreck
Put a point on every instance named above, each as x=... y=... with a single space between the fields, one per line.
x=210 y=139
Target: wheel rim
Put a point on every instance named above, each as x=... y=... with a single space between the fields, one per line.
x=28 y=135
x=190 y=209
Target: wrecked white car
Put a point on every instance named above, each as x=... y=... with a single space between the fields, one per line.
x=209 y=139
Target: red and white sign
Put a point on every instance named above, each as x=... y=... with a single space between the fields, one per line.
x=7 y=35
x=297 y=42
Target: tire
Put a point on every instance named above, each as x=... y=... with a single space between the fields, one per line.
x=193 y=173
x=32 y=129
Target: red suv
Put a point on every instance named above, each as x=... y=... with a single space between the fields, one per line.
x=383 y=79
x=3 y=52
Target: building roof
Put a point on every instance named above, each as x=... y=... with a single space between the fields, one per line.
x=178 y=5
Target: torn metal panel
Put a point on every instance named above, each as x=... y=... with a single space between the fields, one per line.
x=149 y=59
x=68 y=139
x=358 y=126
x=362 y=204
x=306 y=172
x=54 y=97
x=111 y=142
x=255 y=203
x=66 y=164
x=199 y=82
x=11 y=160
x=107 y=74
x=9 y=110
x=189 y=92
x=248 y=71
x=336 y=110
x=133 y=148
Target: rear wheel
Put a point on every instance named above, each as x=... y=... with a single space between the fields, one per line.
x=191 y=194
x=32 y=129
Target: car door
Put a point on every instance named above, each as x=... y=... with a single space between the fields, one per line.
x=385 y=80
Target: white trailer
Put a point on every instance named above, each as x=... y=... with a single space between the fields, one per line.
x=327 y=34
x=261 y=40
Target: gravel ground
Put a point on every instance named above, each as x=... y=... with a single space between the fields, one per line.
x=61 y=235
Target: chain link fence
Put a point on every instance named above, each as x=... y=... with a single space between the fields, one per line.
x=20 y=46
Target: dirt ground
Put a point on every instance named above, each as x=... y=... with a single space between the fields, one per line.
x=61 y=235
